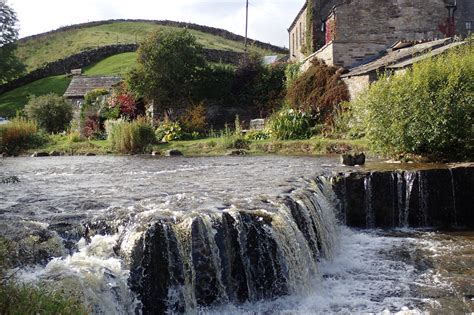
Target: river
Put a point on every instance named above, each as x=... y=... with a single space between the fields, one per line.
x=77 y=222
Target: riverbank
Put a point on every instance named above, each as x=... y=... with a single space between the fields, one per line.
x=212 y=147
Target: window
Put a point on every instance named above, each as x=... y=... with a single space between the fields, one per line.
x=469 y=26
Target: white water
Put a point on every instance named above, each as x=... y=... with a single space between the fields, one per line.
x=362 y=278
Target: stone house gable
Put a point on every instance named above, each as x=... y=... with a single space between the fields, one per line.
x=348 y=32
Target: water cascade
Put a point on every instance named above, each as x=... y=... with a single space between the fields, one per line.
x=410 y=198
x=236 y=255
x=168 y=254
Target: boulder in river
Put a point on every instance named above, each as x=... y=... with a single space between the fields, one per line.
x=173 y=153
x=40 y=154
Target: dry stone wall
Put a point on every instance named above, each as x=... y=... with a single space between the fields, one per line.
x=89 y=57
x=365 y=27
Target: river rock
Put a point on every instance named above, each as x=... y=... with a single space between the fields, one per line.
x=359 y=158
x=40 y=154
x=347 y=159
x=352 y=160
x=54 y=153
x=237 y=152
x=173 y=153
x=155 y=153
x=90 y=154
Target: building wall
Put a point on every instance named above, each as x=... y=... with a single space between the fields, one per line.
x=298 y=37
x=326 y=53
x=464 y=14
x=358 y=84
x=365 y=27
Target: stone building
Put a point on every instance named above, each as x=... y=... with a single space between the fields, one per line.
x=346 y=33
x=81 y=85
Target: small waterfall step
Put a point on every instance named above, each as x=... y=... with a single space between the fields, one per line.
x=437 y=198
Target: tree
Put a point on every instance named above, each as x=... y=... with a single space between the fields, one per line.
x=169 y=64
x=10 y=66
x=52 y=112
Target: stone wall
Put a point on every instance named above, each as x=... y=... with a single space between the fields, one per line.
x=358 y=84
x=298 y=37
x=89 y=57
x=464 y=14
x=326 y=54
x=365 y=27
x=206 y=29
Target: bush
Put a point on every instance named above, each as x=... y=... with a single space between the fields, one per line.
x=194 y=120
x=18 y=135
x=52 y=112
x=289 y=123
x=168 y=131
x=130 y=137
x=427 y=110
x=90 y=118
x=318 y=91
x=257 y=135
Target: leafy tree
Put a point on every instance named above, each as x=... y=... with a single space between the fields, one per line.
x=169 y=64
x=52 y=112
x=10 y=66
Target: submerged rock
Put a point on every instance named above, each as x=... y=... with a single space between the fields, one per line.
x=40 y=154
x=173 y=153
x=353 y=159
x=237 y=152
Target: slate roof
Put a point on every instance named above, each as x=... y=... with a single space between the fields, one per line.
x=398 y=58
x=80 y=85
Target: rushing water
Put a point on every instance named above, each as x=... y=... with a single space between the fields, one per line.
x=90 y=214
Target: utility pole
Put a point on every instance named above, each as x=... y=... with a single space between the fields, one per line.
x=246 y=25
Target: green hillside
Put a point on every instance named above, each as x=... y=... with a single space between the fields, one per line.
x=38 y=50
x=14 y=100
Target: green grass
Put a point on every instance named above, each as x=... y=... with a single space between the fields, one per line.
x=35 y=52
x=115 y=65
x=16 y=99
x=213 y=147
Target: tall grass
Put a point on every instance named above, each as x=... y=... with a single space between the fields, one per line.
x=290 y=124
x=18 y=135
x=130 y=136
x=17 y=298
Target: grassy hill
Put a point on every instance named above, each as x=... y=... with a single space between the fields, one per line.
x=14 y=100
x=37 y=50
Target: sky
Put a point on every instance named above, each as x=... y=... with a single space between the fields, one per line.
x=268 y=19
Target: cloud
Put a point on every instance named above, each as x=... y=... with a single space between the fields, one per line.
x=268 y=20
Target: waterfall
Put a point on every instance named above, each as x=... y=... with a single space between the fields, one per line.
x=439 y=197
x=209 y=258
x=453 y=190
x=409 y=181
x=369 y=211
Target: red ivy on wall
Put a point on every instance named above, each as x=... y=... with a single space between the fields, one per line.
x=448 y=27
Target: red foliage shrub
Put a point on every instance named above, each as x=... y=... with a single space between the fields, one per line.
x=318 y=91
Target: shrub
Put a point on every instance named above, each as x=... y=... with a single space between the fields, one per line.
x=52 y=112
x=256 y=135
x=427 y=110
x=130 y=137
x=292 y=72
x=194 y=120
x=317 y=91
x=289 y=123
x=19 y=134
x=90 y=118
x=169 y=130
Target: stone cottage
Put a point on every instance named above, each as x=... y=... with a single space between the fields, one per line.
x=347 y=32
x=81 y=85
